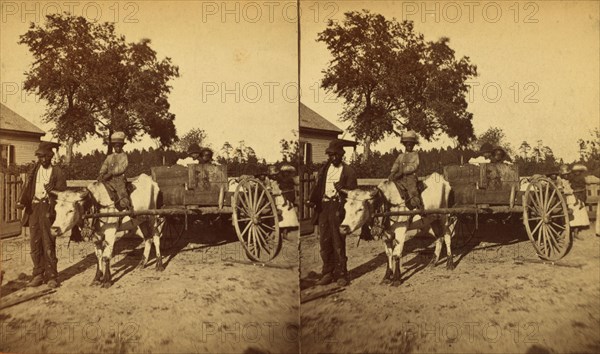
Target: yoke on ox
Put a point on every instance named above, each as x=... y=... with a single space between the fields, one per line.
x=361 y=205
x=71 y=207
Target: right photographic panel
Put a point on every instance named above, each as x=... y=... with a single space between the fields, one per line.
x=449 y=176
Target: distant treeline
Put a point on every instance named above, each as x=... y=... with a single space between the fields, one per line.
x=141 y=161
x=434 y=160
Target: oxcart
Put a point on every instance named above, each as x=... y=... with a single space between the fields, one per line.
x=496 y=191
x=197 y=192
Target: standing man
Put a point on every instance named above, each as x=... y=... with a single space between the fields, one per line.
x=112 y=172
x=329 y=213
x=39 y=215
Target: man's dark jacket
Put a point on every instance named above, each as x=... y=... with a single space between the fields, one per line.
x=347 y=181
x=57 y=182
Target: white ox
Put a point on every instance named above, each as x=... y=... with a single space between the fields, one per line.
x=362 y=204
x=72 y=205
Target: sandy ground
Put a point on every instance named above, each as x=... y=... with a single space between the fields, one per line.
x=202 y=302
x=487 y=304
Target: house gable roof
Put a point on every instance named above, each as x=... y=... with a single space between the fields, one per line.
x=310 y=119
x=12 y=121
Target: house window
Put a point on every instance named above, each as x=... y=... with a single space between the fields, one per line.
x=7 y=154
x=306 y=155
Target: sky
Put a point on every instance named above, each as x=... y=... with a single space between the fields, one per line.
x=238 y=64
x=538 y=64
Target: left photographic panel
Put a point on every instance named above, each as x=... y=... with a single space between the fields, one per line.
x=149 y=177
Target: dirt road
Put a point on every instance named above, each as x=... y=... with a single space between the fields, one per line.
x=487 y=304
x=202 y=302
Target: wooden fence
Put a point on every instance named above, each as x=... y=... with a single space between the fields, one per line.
x=305 y=214
x=10 y=217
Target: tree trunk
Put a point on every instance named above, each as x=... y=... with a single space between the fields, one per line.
x=109 y=145
x=367 y=152
x=69 y=151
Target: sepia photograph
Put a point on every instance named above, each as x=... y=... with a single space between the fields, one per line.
x=449 y=175
x=149 y=165
x=299 y=176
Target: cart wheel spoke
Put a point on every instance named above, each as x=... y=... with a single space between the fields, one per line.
x=246 y=228
x=268 y=227
x=262 y=240
x=263 y=208
x=244 y=204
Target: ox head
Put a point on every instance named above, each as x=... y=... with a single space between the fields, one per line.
x=359 y=209
x=69 y=210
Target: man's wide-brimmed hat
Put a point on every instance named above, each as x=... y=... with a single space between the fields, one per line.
x=45 y=148
x=117 y=138
x=499 y=148
x=409 y=137
x=336 y=146
x=194 y=149
x=579 y=167
x=288 y=168
x=486 y=147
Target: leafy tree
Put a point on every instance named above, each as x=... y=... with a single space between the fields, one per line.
x=392 y=79
x=226 y=151
x=494 y=136
x=96 y=83
x=290 y=149
x=589 y=152
x=524 y=148
x=590 y=148
x=193 y=136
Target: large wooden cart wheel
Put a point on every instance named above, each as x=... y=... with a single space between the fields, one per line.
x=546 y=219
x=256 y=220
x=171 y=229
x=462 y=231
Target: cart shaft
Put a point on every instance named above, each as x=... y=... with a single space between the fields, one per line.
x=164 y=212
x=459 y=210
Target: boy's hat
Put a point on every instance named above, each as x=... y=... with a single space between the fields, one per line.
x=409 y=136
x=117 y=137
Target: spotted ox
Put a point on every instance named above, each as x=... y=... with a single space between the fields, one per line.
x=72 y=205
x=361 y=205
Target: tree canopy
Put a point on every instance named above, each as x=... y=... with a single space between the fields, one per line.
x=494 y=136
x=96 y=83
x=392 y=79
x=193 y=136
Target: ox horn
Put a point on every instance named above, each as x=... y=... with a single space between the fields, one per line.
x=344 y=191
x=374 y=193
x=83 y=194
